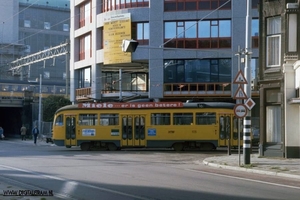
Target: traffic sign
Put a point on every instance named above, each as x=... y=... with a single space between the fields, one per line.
x=249 y=103
x=240 y=94
x=240 y=110
x=240 y=78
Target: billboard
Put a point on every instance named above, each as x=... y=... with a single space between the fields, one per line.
x=116 y=29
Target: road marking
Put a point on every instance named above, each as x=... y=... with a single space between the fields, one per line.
x=70 y=185
x=244 y=179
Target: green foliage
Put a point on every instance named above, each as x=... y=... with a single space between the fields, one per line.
x=51 y=104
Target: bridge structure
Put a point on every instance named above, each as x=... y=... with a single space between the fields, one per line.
x=12 y=93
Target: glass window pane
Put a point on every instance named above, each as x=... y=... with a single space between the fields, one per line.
x=140 y=31
x=254 y=27
x=204 y=29
x=225 y=28
x=191 y=29
x=170 y=29
x=183 y=118
x=203 y=71
x=224 y=70
x=87 y=119
x=273 y=124
x=214 y=31
x=205 y=118
x=160 y=119
x=109 y=119
x=146 y=31
x=180 y=32
x=273 y=51
x=274 y=25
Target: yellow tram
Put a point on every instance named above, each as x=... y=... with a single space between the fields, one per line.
x=177 y=125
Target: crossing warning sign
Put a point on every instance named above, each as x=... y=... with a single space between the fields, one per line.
x=240 y=94
x=240 y=78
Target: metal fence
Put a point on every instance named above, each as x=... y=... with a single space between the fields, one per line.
x=46 y=128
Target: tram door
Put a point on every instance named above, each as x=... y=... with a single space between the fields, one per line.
x=70 y=130
x=133 y=130
x=237 y=123
x=224 y=128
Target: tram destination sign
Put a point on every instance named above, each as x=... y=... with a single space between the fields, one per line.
x=132 y=105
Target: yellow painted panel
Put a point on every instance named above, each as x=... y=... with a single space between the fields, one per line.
x=116 y=29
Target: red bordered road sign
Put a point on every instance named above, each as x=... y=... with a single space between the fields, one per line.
x=240 y=78
x=240 y=110
x=240 y=94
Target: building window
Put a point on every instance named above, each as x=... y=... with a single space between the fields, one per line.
x=65 y=27
x=141 y=32
x=292 y=32
x=85 y=15
x=84 y=78
x=180 y=5
x=109 y=5
x=273 y=123
x=27 y=23
x=197 y=71
x=27 y=50
x=85 y=47
x=254 y=73
x=198 y=34
x=273 y=48
x=255 y=3
x=131 y=82
x=255 y=32
x=47 y=25
x=46 y=75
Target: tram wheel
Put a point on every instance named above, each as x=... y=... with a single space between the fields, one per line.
x=85 y=146
x=68 y=146
x=112 y=147
x=178 y=146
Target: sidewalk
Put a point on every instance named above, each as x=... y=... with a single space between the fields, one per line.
x=262 y=165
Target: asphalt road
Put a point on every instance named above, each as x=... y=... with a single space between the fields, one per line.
x=132 y=174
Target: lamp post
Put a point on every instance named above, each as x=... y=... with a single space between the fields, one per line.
x=40 y=104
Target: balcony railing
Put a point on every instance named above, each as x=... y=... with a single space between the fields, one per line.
x=83 y=93
x=176 y=90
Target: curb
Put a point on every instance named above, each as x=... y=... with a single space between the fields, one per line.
x=257 y=171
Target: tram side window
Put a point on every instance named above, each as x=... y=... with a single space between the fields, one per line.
x=109 y=119
x=207 y=118
x=88 y=119
x=59 y=120
x=183 y=118
x=160 y=119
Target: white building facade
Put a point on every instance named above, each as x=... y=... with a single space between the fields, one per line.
x=187 y=50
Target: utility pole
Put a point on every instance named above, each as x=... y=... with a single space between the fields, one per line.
x=40 y=104
x=247 y=87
